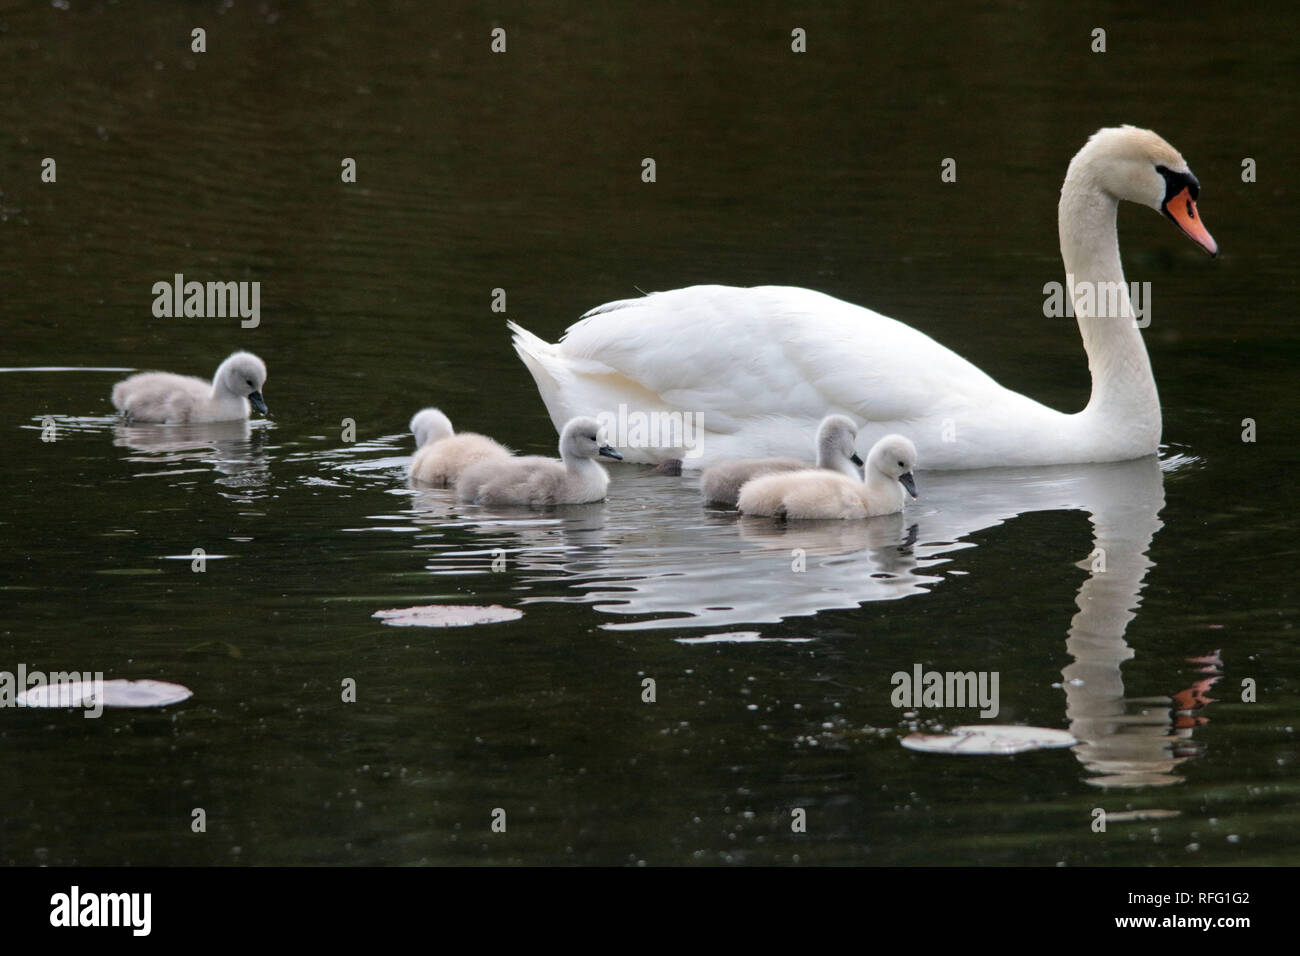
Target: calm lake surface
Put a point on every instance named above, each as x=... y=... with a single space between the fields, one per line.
x=522 y=171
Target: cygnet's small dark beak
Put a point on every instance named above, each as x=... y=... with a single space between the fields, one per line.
x=908 y=482
x=609 y=452
x=257 y=401
x=856 y=460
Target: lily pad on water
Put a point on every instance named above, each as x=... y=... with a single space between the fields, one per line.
x=112 y=693
x=448 y=615
x=989 y=739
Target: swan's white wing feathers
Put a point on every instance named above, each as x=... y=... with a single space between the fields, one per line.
x=740 y=353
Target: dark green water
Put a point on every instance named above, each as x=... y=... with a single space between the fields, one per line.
x=522 y=171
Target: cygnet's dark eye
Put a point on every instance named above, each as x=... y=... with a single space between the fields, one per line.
x=249 y=381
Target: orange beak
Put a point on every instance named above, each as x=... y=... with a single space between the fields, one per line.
x=1182 y=210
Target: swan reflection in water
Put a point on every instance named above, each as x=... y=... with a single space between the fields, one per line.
x=654 y=557
x=235 y=450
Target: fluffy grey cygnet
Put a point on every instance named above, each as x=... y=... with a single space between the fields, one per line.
x=168 y=398
x=442 y=454
x=721 y=484
x=824 y=494
x=576 y=478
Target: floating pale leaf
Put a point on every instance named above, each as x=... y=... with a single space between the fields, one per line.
x=112 y=693
x=739 y=637
x=448 y=615
x=989 y=739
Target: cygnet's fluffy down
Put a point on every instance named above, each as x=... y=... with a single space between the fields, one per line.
x=167 y=398
x=442 y=454
x=429 y=425
x=721 y=484
x=533 y=480
x=822 y=494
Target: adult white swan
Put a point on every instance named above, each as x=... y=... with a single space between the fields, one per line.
x=763 y=366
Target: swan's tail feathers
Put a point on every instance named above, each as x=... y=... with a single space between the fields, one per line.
x=537 y=355
x=525 y=340
x=534 y=352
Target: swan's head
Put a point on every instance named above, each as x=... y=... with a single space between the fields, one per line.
x=430 y=425
x=581 y=439
x=895 y=457
x=836 y=438
x=243 y=374
x=1137 y=165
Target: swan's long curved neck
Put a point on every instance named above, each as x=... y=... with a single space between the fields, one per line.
x=579 y=466
x=1124 y=402
x=879 y=488
x=221 y=390
x=842 y=465
x=848 y=468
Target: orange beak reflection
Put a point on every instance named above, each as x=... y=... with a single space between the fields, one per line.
x=1182 y=210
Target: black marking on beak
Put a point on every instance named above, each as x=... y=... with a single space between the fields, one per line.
x=908 y=482
x=1179 y=206
x=1176 y=183
x=257 y=401
x=609 y=452
x=856 y=460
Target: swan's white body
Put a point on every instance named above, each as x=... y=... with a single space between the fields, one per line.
x=162 y=397
x=721 y=484
x=533 y=480
x=763 y=365
x=820 y=494
x=442 y=454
